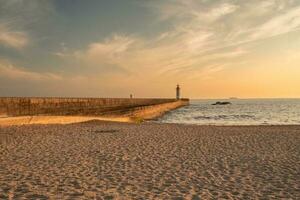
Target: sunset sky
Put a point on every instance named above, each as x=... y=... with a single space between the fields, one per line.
x=113 y=48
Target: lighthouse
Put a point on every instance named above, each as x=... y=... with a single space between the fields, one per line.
x=177 y=92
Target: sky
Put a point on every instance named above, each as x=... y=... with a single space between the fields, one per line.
x=100 y=48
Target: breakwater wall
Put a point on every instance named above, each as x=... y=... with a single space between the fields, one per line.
x=135 y=107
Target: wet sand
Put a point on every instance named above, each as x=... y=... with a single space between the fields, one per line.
x=110 y=160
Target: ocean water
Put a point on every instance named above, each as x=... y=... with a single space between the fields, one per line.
x=240 y=112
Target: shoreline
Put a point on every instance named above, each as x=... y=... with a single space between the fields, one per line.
x=64 y=120
x=225 y=125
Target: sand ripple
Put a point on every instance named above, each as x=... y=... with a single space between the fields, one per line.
x=98 y=160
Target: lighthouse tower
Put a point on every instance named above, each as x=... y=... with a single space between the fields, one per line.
x=177 y=92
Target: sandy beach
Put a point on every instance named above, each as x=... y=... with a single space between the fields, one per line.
x=111 y=160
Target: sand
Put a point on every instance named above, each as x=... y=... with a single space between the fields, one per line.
x=109 y=160
x=26 y=120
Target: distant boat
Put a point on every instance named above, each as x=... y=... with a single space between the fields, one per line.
x=233 y=98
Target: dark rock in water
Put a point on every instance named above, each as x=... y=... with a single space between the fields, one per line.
x=221 y=103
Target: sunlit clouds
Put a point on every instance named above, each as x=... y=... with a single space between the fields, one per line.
x=7 y=70
x=212 y=48
x=11 y=38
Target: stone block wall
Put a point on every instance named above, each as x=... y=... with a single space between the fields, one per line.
x=24 y=106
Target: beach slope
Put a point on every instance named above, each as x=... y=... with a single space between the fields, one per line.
x=110 y=160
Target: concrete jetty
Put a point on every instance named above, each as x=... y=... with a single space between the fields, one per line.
x=28 y=110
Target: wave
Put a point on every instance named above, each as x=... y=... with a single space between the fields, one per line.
x=222 y=117
x=246 y=112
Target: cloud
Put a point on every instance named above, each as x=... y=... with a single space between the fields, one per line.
x=8 y=70
x=284 y=23
x=191 y=9
x=19 y=18
x=13 y=39
x=202 y=38
x=231 y=23
x=207 y=72
x=110 y=51
x=110 y=55
x=162 y=56
x=189 y=40
x=219 y=11
x=228 y=54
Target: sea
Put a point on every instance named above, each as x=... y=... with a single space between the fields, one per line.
x=239 y=112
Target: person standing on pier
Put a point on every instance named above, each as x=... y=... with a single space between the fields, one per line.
x=177 y=92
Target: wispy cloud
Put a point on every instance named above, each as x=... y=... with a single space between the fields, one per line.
x=110 y=51
x=172 y=52
x=191 y=9
x=283 y=23
x=199 y=35
x=19 y=17
x=10 y=71
x=249 y=21
x=188 y=40
x=13 y=39
x=109 y=55
x=218 y=11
